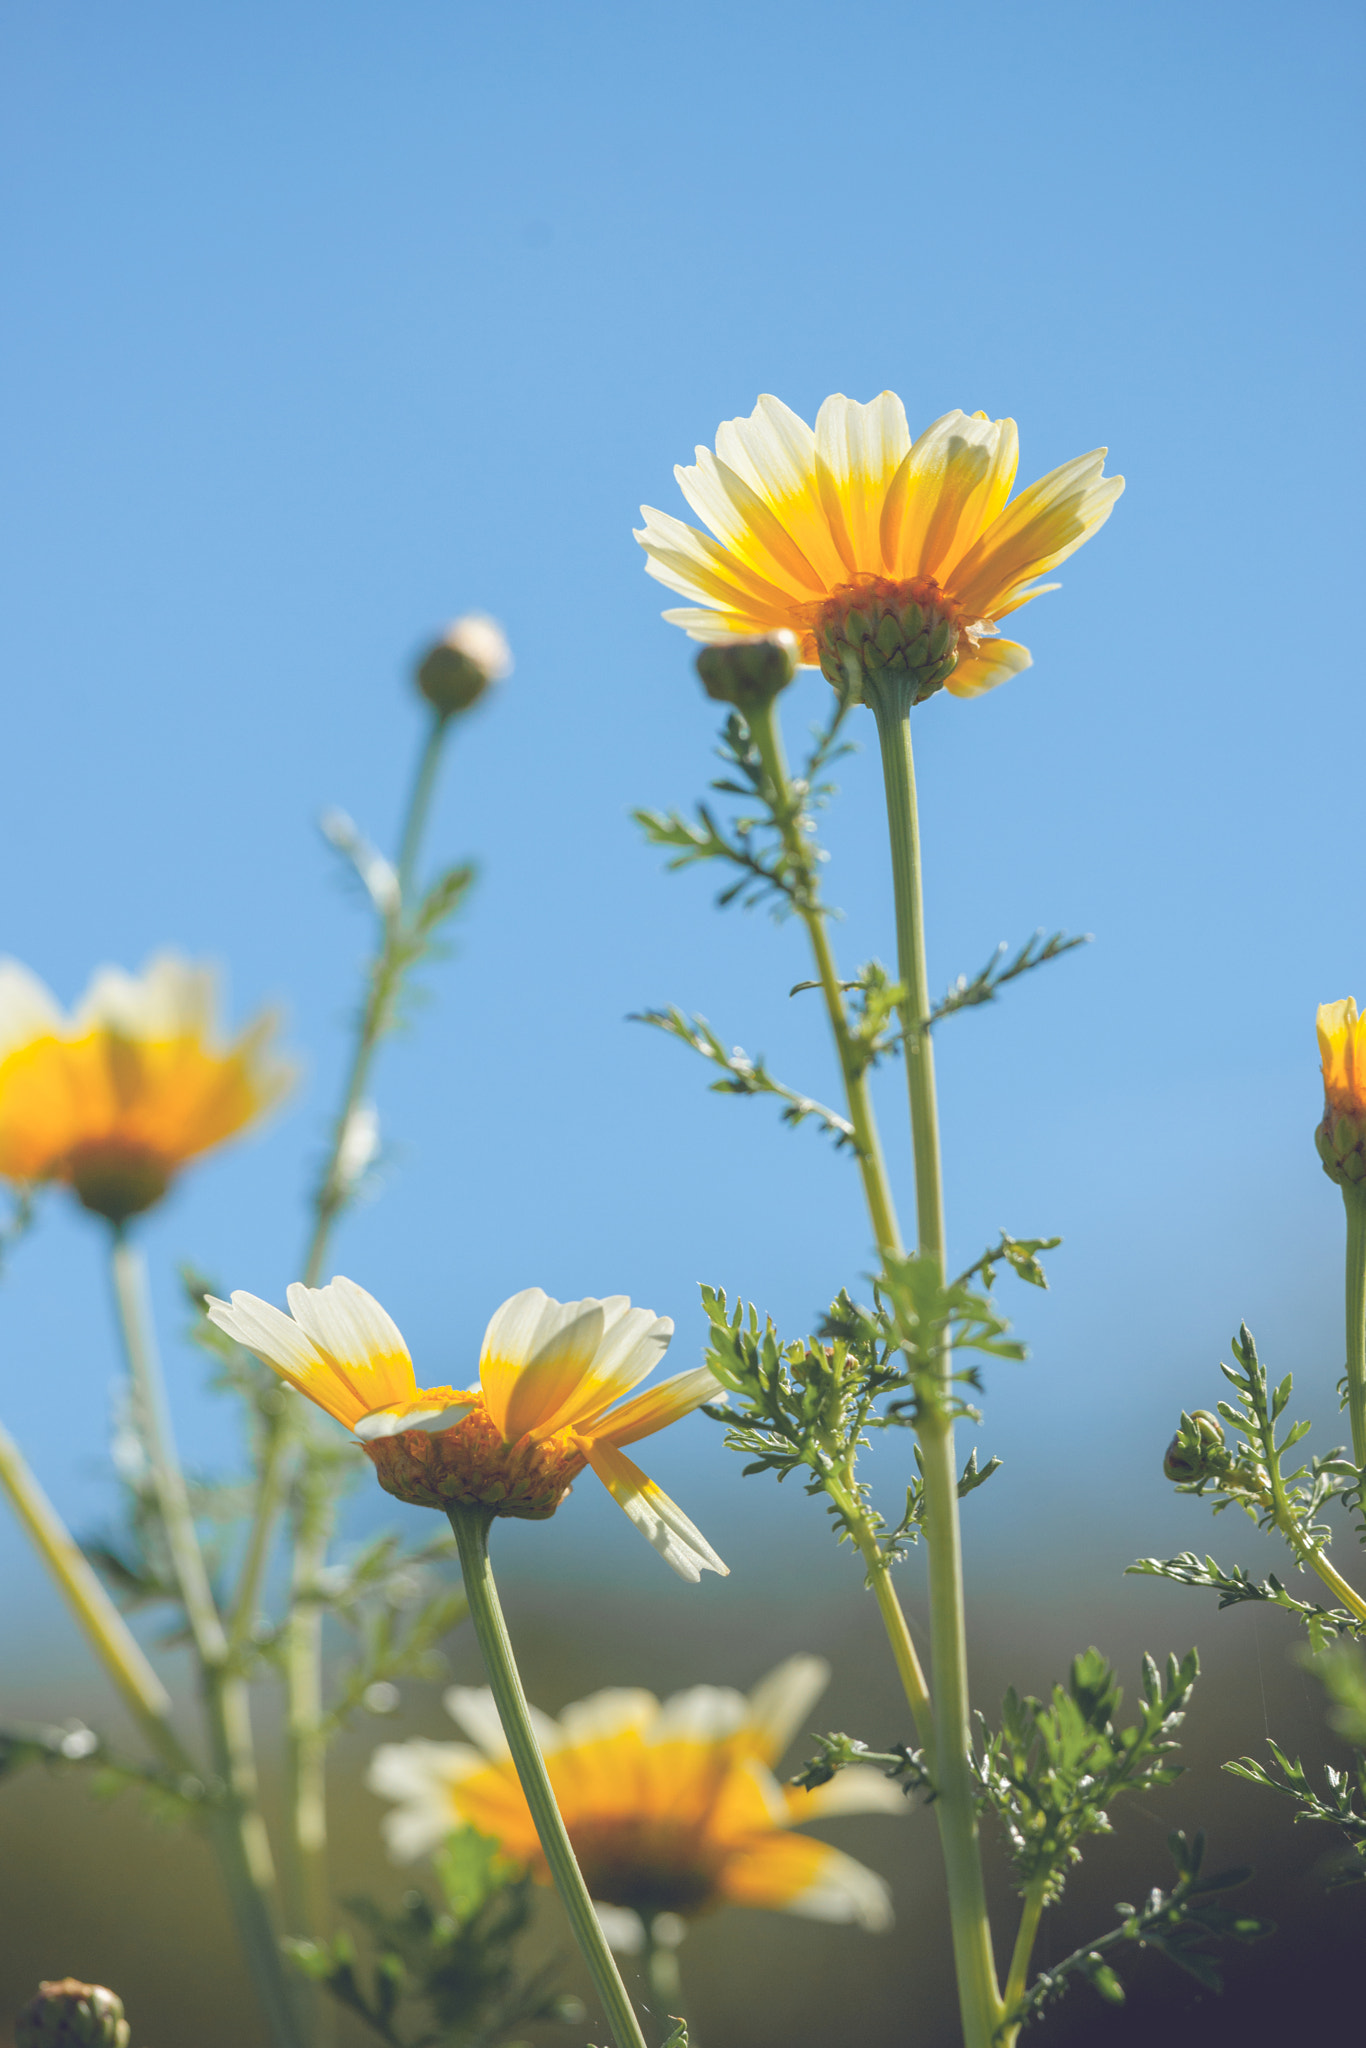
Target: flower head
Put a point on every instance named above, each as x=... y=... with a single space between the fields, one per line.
x=471 y=655
x=671 y=1808
x=1341 y=1137
x=875 y=550
x=114 y=1099
x=549 y=1373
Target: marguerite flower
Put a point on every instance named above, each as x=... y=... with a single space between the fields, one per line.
x=549 y=1373
x=873 y=549
x=671 y=1808
x=114 y=1099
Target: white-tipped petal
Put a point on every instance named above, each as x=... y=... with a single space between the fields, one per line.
x=274 y=1337
x=860 y=1789
x=660 y=1520
x=346 y=1322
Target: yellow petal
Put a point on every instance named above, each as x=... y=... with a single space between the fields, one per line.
x=793 y=1874
x=656 y=1408
x=659 y=1520
x=536 y=1351
x=859 y=450
x=1045 y=524
x=995 y=661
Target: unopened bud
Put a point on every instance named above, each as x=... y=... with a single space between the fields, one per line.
x=749 y=673
x=69 y=2014
x=1196 y=1452
x=471 y=654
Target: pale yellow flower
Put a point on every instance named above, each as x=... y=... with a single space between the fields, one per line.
x=114 y=1099
x=1342 y=1046
x=672 y=1807
x=854 y=516
x=549 y=1374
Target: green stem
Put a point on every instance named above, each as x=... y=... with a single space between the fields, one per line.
x=236 y=1827
x=767 y=738
x=109 y=1634
x=419 y=803
x=1308 y=1552
x=471 y=1526
x=1354 y=1201
x=844 y=1494
x=154 y=1422
x=979 y=1996
x=238 y=1837
x=305 y=1738
x=764 y=730
x=1017 y=1981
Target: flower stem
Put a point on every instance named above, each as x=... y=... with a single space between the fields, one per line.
x=767 y=738
x=1017 y=1981
x=471 y=1526
x=110 y=1636
x=305 y=1741
x=1354 y=1201
x=979 y=1997
x=236 y=1827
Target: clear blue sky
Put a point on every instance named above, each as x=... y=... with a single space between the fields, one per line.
x=326 y=322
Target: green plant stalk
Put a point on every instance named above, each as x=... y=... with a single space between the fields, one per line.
x=1354 y=1202
x=1307 y=1552
x=109 y=1634
x=979 y=1996
x=236 y=1828
x=844 y=1494
x=471 y=1526
x=306 y=1738
x=764 y=730
x=767 y=738
x=1017 y=1979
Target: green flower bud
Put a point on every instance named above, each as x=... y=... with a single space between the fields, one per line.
x=69 y=2014
x=1341 y=1142
x=1197 y=1451
x=458 y=670
x=749 y=673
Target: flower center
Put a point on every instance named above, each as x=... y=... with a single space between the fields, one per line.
x=472 y=1465
x=911 y=629
x=652 y=1866
x=114 y=1178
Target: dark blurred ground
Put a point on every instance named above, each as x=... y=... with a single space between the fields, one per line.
x=100 y=1892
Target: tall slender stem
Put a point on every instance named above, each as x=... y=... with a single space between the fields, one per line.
x=763 y=727
x=1354 y=1201
x=1017 y=1980
x=767 y=737
x=306 y=1748
x=471 y=1526
x=109 y=1634
x=979 y=1996
x=236 y=1827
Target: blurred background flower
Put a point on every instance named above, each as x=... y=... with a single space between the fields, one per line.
x=672 y=1807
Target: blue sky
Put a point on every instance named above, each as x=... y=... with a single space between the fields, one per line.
x=329 y=322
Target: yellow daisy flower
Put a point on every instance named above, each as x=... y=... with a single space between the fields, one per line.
x=671 y=1807
x=854 y=537
x=549 y=1373
x=113 y=1100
